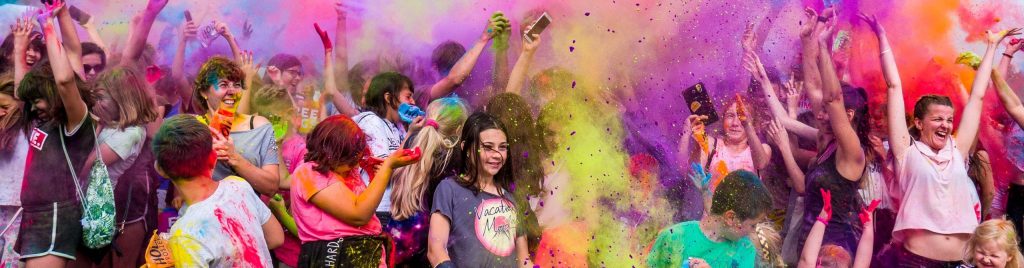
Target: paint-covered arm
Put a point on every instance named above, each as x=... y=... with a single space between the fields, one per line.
x=865 y=247
x=140 y=31
x=188 y=32
x=523 y=252
x=760 y=153
x=809 y=32
x=249 y=70
x=502 y=30
x=70 y=40
x=340 y=51
x=22 y=31
x=75 y=108
x=970 y=119
x=850 y=159
x=809 y=255
x=1012 y=47
x=358 y=209
x=280 y=211
x=1010 y=100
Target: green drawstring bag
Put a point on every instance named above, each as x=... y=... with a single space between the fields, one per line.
x=97 y=200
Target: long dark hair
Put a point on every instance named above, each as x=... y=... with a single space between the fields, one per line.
x=39 y=83
x=468 y=157
x=7 y=50
x=386 y=83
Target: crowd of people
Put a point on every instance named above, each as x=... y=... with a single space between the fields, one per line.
x=238 y=165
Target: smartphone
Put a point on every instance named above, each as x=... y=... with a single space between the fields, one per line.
x=78 y=15
x=538 y=26
x=699 y=101
x=188 y=16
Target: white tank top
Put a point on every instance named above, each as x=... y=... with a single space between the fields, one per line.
x=732 y=161
x=936 y=198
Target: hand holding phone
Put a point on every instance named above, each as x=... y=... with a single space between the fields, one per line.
x=699 y=102
x=538 y=26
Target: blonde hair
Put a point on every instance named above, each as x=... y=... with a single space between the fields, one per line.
x=411 y=182
x=769 y=246
x=998 y=230
x=132 y=94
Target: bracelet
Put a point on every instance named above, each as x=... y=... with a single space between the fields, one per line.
x=1007 y=55
x=823 y=221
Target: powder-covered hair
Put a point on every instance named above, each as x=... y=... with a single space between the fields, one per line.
x=998 y=230
x=335 y=142
x=130 y=92
x=409 y=191
x=210 y=73
x=181 y=146
x=833 y=256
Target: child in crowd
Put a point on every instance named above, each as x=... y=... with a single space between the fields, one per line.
x=719 y=238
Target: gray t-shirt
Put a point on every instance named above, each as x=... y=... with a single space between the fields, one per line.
x=256 y=145
x=484 y=227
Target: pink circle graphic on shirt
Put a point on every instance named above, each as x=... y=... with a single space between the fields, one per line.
x=496 y=226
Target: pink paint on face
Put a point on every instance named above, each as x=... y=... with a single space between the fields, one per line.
x=240 y=238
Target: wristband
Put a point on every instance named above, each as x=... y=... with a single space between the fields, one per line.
x=445 y=264
x=1008 y=55
x=822 y=19
x=823 y=221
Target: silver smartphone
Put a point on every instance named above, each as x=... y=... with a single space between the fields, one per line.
x=538 y=26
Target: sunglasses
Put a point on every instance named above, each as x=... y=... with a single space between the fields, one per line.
x=93 y=67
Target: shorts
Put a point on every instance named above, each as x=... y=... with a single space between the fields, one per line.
x=50 y=230
x=351 y=251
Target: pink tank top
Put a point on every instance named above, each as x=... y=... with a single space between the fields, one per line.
x=733 y=161
x=936 y=197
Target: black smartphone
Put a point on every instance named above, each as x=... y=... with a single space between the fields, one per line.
x=538 y=26
x=78 y=15
x=188 y=16
x=699 y=102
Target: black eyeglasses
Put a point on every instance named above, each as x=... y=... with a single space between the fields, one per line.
x=90 y=67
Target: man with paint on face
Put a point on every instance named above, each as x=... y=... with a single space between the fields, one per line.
x=719 y=238
x=226 y=224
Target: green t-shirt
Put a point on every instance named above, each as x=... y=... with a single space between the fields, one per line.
x=685 y=240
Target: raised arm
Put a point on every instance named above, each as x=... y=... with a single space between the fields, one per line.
x=899 y=134
x=74 y=107
x=223 y=30
x=1010 y=101
x=88 y=23
x=753 y=64
x=341 y=101
x=340 y=51
x=249 y=69
x=1004 y=62
x=519 y=71
x=464 y=66
x=139 y=33
x=72 y=44
x=970 y=119
x=865 y=247
x=777 y=134
x=809 y=32
x=850 y=154
x=500 y=73
x=809 y=256
x=760 y=153
x=22 y=30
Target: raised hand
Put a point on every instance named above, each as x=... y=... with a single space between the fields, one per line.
x=826 y=208
x=530 y=46
x=741 y=108
x=247 y=29
x=224 y=146
x=700 y=177
x=749 y=38
x=49 y=11
x=791 y=91
x=22 y=30
x=809 y=24
x=324 y=38
x=248 y=66
x=777 y=134
x=222 y=29
x=866 y=213
x=872 y=22
x=497 y=25
x=189 y=30
x=156 y=5
x=996 y=37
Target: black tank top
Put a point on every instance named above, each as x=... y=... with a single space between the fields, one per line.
x=845 y=228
